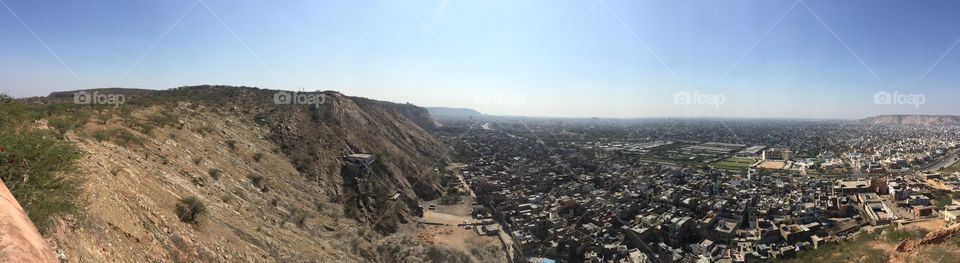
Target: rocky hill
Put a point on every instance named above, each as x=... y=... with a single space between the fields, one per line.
x=936 y=120
x=270 y=180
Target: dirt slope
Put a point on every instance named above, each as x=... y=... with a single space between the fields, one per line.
x=278 y=195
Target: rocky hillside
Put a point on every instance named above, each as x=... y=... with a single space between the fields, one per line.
x=936 y=120
x=222 y=174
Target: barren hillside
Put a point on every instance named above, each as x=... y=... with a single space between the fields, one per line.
x=913 y=120
x=272 y=181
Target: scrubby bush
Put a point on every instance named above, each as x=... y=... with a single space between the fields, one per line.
x=40 y=173
x=39 y=170
x=442 y=254
x=126 y=138
x=162 y=119
x=898 y=235
x=100 y=135
x=232 y=144
x=299 y=217
x=215 y=173
x=120 y=136
x=257 y=157
x=259 y=182
x=190 y=209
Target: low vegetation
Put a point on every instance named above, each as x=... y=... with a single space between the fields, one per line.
x=407 y=249
x=190 y=209
x=38 y=169
x=232 y=144
x=868 y=247
x=120 y=136
x=259 y=182
x=451 y=197
x=215 y=173
x=857 y=249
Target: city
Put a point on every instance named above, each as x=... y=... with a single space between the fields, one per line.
x=475 y=131
x=663 y=191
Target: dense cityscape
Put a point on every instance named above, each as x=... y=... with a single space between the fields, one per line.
x=569 y=190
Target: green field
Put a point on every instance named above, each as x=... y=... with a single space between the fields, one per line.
x=734 y=163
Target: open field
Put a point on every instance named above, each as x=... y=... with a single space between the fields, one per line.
x=734 y=163
x=479 y=248
x=772 y=165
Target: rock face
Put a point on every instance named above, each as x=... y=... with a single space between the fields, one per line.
x=19 y=239
x=937 y=120
x=282 y=191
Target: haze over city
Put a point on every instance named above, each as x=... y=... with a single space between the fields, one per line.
x=621 y=59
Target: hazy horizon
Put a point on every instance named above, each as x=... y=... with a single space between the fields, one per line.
x=812 y=59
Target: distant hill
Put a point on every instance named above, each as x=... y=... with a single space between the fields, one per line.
x=444 y=112
x=124 y=91
x=935 y=120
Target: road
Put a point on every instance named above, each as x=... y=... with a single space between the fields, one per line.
x=947 y=161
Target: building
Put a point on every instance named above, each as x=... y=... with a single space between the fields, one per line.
x=781 y=154
x=360 y=159
x=752 y=151
x=852 y=186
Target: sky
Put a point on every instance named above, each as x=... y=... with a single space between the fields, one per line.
x=557 y=58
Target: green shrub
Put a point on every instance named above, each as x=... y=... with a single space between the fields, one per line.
x=257 y=157
x=259 y=182
x=120 y=136
x=162 y=119
x=100 y=135
x=215 y=173
x=232 y=144
x=442 y=254
x=126 y=138
x=65 y=124
x=190 y=209
x=897 y=235
x=39 y=170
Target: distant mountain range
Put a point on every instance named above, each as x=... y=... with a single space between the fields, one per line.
x=934 y=120
x=444 y=112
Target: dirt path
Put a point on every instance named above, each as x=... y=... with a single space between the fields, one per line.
x=480 y=248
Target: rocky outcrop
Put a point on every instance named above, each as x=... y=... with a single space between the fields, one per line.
x=19 y=239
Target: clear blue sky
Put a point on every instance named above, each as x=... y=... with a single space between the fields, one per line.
x=580 y=58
